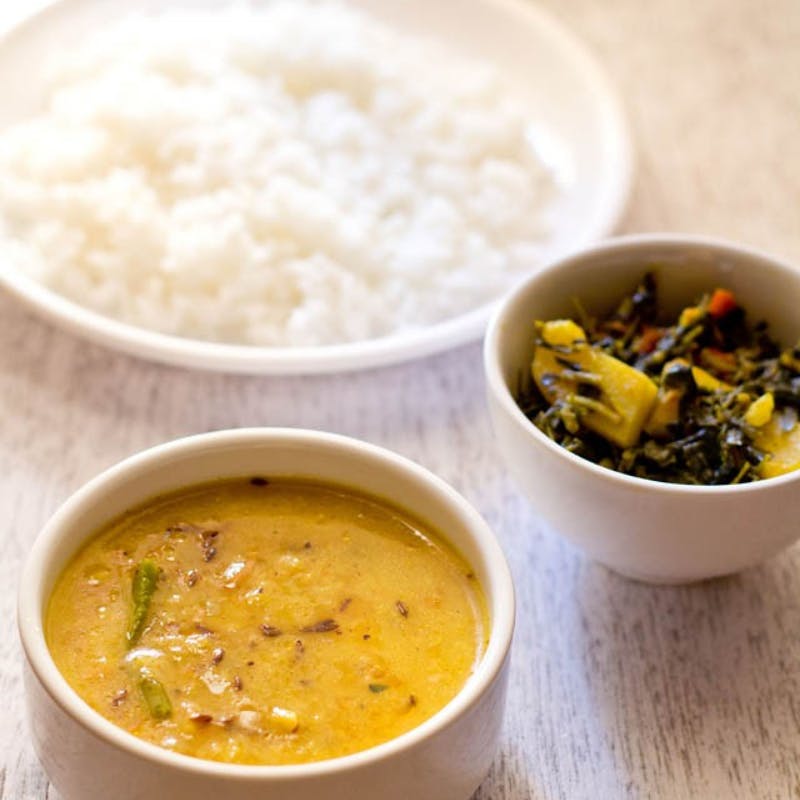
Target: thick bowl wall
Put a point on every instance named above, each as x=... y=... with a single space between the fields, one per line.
x=87 y=757
x=645 y=529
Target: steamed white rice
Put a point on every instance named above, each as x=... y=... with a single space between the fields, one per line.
x=297 y=174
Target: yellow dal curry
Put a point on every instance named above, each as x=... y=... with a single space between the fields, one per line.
x=266 y=622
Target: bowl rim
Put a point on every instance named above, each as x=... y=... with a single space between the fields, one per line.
x=32 y=600
x=500 y=391
x=393 y=348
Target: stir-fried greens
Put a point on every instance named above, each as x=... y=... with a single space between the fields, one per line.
x=706 y=399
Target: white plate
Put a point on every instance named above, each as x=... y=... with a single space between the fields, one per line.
x=581 y=132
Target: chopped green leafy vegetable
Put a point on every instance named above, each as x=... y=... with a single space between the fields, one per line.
x=724 y=402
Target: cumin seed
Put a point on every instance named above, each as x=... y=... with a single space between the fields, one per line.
x=323 y=626
x=119 y=697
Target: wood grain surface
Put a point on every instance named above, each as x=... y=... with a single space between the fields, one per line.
x=619 y=690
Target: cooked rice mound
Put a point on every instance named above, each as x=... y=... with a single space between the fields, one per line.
x=298 y=174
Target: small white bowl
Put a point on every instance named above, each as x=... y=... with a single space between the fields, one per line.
x=87 y=757
x=644 y=529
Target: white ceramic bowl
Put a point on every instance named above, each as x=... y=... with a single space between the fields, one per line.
x=579 y=130
x=87 y=757
x=645 y=529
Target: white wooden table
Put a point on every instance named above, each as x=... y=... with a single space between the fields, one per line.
x=619 y=690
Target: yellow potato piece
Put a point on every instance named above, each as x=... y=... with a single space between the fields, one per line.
x=760 y=411
x=627 y=395
x=704 y=380
x=707 y=382
x=666 y=412
x=563 y=332
x=783 y=448
x=689 y=315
